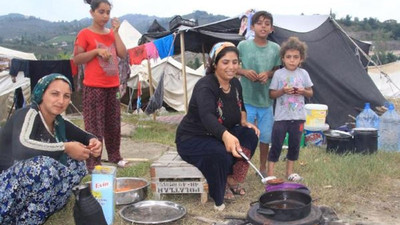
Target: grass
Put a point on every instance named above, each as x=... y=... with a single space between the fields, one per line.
x=342 y=182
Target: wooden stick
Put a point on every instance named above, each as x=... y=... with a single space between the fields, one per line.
x=136 y=159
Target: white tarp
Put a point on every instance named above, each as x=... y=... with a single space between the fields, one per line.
x=300 y=24
x=6 y=84
x=388 y=85
x=129 y=35
x=174 y=94
x=10 y=54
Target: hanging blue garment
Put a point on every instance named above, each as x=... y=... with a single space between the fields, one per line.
x=165 y=46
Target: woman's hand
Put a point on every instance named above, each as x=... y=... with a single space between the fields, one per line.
x=232 y=144
x=115 y=24
x=77 y=150
x=104 y=54
x=252 y=126
x=95 y=147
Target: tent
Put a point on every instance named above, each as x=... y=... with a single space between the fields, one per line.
x=174 y=95
x=129 y=35
x=387 y=78
x=6 y=85
x=335 y=61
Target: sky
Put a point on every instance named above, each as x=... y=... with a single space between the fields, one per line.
x=68 y=10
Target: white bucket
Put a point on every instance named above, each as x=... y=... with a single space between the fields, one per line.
x=316 y=115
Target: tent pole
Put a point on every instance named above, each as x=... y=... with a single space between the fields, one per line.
x=183 y=61
x=150 y=83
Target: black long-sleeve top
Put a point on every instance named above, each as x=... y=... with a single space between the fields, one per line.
x=211 y=111
x=25 y=136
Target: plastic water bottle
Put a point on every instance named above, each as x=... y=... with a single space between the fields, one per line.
x=389 y=130
x=367 y=118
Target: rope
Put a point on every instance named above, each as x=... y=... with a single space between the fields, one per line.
x=75 y=108
x=366 y=55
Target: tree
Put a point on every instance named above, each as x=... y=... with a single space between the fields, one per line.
x=347 y=21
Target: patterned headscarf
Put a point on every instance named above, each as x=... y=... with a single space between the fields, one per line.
x=37 y=98
x=217 y=48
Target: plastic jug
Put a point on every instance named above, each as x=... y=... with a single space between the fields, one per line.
x=87 y=210
x=367 y=118
x=389 y=130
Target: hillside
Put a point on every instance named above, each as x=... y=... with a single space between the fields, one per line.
x=54 y=40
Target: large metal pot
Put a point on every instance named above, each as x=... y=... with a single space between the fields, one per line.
x=285 y=205
x=130 y=190
x=339 y=142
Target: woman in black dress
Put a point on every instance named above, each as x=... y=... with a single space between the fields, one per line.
x=215 y=127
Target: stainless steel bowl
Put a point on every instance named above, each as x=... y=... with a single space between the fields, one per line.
x=130 y=190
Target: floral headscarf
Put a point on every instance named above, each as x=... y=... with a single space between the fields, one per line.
x=216 y=49
x=37 y=98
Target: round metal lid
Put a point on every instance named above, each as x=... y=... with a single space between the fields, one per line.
x=152 y=212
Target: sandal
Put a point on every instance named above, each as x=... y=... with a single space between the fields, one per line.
x=229 y=196
x=237 y=189
x=295 y=177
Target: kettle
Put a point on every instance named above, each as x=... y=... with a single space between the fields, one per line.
x=87 y=210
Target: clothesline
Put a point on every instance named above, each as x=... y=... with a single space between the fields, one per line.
x=162 y=48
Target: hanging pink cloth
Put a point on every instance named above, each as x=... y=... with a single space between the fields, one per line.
x=151 y=50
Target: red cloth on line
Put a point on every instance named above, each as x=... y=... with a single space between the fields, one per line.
x=137 y=54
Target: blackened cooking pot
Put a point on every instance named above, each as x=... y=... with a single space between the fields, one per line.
x=285 y=205
x=339 y=142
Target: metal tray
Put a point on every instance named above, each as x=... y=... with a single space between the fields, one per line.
x=152 y=212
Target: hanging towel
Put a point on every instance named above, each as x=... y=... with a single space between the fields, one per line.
x=151 y=50
x=40 y=68
x=19 y=65
x=165 y=46
x=156 y=100
x=137 y=55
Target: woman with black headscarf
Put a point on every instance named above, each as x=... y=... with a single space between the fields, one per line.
x=42 y=155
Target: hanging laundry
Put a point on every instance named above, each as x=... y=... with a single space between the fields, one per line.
x=137 y=55
x=124 y=74
x=36 y=69
x=16 y=66
x=156 y=100
x=19 y=65
x=40 y=68
x=139 y=96
x=151 y=50
x=165 y=46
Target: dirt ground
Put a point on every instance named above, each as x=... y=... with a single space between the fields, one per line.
x=378 y=208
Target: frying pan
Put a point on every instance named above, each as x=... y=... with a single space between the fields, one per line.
x=285 y=205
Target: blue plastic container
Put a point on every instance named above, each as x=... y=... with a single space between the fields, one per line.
x=367 y=118
x=389 y=130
